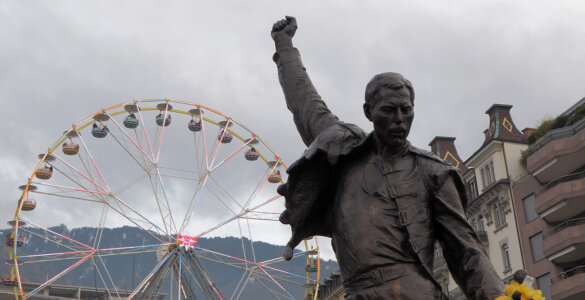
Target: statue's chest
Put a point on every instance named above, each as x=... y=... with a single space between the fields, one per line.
x=371 y=188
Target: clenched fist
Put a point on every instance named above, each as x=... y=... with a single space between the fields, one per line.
x=283 y=32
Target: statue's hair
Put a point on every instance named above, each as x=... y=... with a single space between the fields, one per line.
x=390 y=80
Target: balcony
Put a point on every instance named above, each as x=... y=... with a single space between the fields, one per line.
x=561 y=198
x=483 y=237
x=559 y=151
x=569 y=286
x=565 y=243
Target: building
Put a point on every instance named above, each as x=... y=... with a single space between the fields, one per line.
x=488 y=175
x=551 y=212
x=332 y=288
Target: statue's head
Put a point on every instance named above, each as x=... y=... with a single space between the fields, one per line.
x=389 y=106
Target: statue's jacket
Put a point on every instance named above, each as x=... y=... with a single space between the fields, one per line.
x=436 y=215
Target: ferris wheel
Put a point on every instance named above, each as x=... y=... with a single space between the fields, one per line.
x=180 y=173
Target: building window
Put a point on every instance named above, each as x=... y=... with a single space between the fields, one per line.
x=536 y=247
x=543 y=284
x=472 y=189
x=488 y=174
x=499 y=216
x=506 y=258
x=529 y=211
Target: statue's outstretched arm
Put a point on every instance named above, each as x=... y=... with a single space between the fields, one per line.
x=310 y=113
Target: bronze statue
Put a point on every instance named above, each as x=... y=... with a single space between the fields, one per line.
x=383 y=202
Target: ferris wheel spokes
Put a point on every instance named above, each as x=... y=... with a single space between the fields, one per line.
x=154 y=184
x=131 y=140
x=85 y=176
x=249 y=267
x=56 y=277
x=139 y=214
x=168 y=205
x=99 y=272
x=94 y=163
x=192 y=202
x=145 y=135
x=229 y=156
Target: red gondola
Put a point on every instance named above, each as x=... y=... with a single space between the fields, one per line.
x=45 y=172
x=7 y=281
x=274 y=177
x=10 y=241
x=70 y=148
x=29 y=205
x=252 y=154
x=195 y=126
x=224 y=137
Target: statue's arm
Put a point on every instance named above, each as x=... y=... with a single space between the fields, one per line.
x=463 y=252
x=310 y=113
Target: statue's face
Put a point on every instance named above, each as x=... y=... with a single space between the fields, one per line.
x=392 y=114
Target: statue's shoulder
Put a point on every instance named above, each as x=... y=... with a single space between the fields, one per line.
x=431 y=162
x=338 y=139
x=427 y=155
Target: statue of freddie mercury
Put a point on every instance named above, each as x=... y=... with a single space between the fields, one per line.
x=383 y=202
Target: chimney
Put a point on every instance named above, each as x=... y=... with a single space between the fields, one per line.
x=444 y=148
x=527 y=131
x=502 y=126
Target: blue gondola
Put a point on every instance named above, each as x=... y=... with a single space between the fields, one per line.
x=99 y=132
x=311 y=268
x=130 y=121
x=160 y=118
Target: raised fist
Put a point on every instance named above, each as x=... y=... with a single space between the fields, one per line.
x=284 y=28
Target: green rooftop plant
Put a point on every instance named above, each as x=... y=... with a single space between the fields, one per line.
x=550 y=124
x=558 y=122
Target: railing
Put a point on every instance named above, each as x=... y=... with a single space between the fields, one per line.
x=560 y=180
x=556 y=134
x=570 y=273
x=564 y=225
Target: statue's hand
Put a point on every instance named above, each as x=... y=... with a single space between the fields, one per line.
x=284 y=28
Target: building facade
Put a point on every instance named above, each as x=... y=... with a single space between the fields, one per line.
x=488 y=175
x=551 y=209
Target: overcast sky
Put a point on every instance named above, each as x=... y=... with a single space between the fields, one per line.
x=64 y=60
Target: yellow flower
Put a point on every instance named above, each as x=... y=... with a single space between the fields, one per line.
x=525 y=292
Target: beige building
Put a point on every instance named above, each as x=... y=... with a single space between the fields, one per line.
x=488 y=176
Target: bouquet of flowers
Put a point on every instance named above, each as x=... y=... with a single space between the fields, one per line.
x=521 y=291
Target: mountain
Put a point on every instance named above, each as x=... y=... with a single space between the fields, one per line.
x=126 y=271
